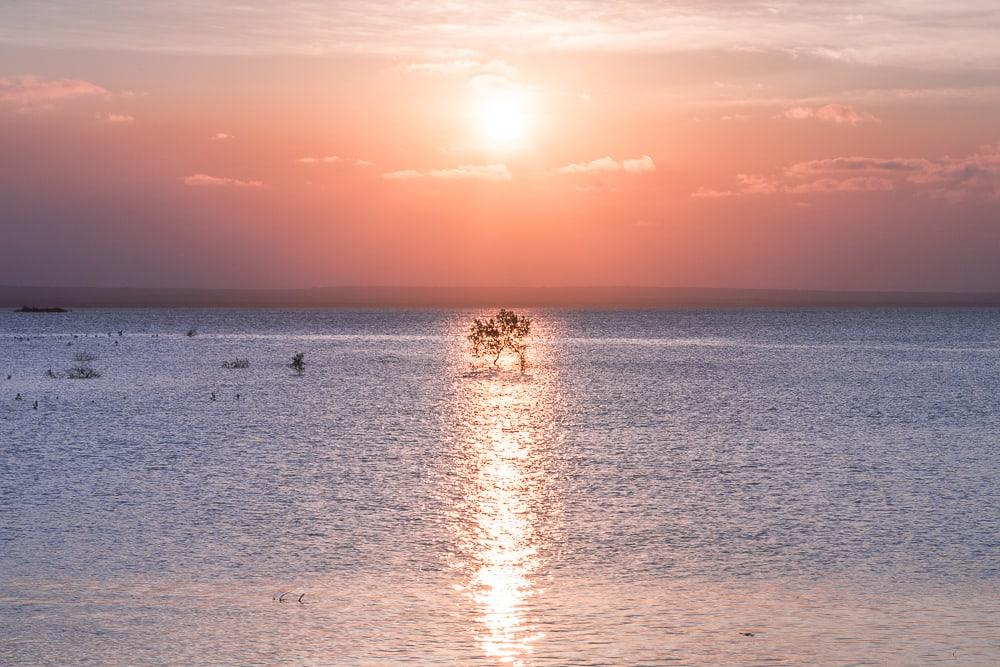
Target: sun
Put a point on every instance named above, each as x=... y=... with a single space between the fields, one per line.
x=502 y=118
x=500 y=113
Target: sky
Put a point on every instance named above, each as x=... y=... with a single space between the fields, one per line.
x=723 y=143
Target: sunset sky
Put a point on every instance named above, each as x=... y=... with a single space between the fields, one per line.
x=214 y=143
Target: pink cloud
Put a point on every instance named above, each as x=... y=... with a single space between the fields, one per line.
x=840 y=114
x=860 y=164
x=329 y=159
x=755 y=184
x=857 y=184
x=981 y=168
x=709 y=193
x=462 y=67
x=639 y=165
x=594 y=166
x=218 y=181
x=27 y=92
x=116 y=118
x=220 y=136
x=977 y=174
x=480 y=172
x=465 y=172
x=402 y=175
x=606 y=164
x=800 y=113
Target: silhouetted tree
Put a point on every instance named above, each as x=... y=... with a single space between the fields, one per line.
x=506 y=331
x=298 y=363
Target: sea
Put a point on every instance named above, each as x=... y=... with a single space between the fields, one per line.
x=670 y=487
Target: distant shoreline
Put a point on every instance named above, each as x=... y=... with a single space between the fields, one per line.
x=473 y=297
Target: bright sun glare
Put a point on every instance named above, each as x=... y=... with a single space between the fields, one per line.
x=502 y=115
x=503 y=118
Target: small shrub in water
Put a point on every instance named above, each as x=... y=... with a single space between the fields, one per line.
x=507 y=331
x=191 y=333
x=82 y=372
x=83 y=357
x=236 y=363
x=298 y=363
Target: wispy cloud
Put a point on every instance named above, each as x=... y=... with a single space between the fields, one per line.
x=116 y=118
x=974 y=175
x=220 y=136
x=601 y=164
x=855 y=165
x=891 y=31
x=479 y=172
x=841 y=114
x=608 y=164
x=461 y=67
x=329 y=159
x=402 y=175
x=640 y=165
x=756 y=184
x=465 y=172
x=710 y=193
x=28 y=92
x=200 y=180
x=335 y=159
x=857 y=184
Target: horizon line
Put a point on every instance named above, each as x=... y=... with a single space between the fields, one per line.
x=430 y=296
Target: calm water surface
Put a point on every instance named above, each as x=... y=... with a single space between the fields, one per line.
x=658 y=488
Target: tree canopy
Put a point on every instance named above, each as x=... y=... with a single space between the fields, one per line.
x=505 y=332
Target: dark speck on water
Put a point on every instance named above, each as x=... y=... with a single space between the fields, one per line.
x=36 y=309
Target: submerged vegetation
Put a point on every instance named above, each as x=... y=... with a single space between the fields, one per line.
x=83 y=372
x=298 y=363
x=505 y=332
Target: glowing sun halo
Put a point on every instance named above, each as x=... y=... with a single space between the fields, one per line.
x=501 y=115
x=502 y=118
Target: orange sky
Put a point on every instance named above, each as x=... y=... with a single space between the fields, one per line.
x=736 y=144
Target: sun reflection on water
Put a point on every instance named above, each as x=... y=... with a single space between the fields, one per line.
x=503 y=464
